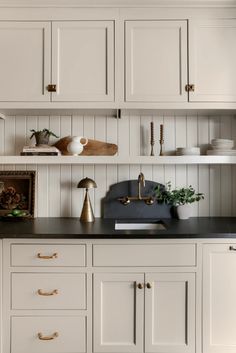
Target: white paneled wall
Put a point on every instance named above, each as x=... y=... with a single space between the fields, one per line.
x=56 y=192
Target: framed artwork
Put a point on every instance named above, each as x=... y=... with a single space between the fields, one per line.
x=17 y=191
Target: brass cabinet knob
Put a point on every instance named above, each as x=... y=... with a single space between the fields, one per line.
x=149 y=286
x=47 y=294
x=47 y=257
x=52 y=88
x=48 y=338
x=232 y=248
x=190 y=88
x=140 y=286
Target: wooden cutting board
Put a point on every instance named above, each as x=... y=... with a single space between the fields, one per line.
x=93 y=147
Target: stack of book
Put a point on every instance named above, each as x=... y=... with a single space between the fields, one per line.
x=40 y=151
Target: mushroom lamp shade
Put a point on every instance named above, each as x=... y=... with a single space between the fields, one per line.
x=87 y=211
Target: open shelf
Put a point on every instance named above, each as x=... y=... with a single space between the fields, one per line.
x=117 y=160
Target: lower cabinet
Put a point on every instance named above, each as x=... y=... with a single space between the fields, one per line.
x=151 y=312
x=219 y=295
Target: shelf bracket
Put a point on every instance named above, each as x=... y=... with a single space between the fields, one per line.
x=2 y=116
x=118 y=113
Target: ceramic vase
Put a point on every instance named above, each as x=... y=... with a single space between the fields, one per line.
x=75 y=147
x=184 y=211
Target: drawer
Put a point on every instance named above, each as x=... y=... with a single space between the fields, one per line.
x=68 y=334
x=144 y=255
x=48 y=291
x=48 y=255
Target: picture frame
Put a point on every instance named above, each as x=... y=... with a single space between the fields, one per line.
x=17 y=191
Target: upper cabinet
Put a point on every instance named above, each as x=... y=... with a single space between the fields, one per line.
x=156 y=61
x=212 y=58
x=83 y=61
x=25 y=61
x=82 y=65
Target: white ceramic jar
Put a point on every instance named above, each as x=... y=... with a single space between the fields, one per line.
x=184 y=211
x=75 y=147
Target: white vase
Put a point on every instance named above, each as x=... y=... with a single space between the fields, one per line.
x=184 y=211
x=75 y=147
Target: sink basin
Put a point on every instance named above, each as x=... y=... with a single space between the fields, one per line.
x=120 y=225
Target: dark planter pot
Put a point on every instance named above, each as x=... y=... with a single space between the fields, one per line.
x=42 y=138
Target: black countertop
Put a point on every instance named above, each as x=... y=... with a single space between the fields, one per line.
x=71 y=228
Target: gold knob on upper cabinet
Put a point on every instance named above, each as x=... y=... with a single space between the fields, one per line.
x=149 y=286
x=140 y=286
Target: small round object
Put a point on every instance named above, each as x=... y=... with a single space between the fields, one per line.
x=140 y=286
x=149 y=286
x=150 y=201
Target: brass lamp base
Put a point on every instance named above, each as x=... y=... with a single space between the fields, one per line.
x=87 y=211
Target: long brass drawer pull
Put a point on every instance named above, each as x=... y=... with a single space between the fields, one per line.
x=47 y=294
x=232 y=248
x=47 y=257
x=48 y=338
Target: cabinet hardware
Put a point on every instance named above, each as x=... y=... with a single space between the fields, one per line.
x=149 y=286
x=140 y=286
x=48 y=338
x=190 y=88
x=45 y=257
x=232 y=248
x=47 y=294
x=52 y=88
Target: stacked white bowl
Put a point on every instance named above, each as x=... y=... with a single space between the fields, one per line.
x=222 y=147
x=187 y=151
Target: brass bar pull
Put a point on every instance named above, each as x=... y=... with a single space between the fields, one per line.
x=232 y=248
x=48 y=338
x=149 y=286
x=140 y=286
x=47 y=294
x=45 y=257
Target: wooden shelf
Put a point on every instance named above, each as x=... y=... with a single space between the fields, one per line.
x=6 y=160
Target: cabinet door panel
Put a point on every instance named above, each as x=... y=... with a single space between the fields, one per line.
x=83 y=60
x=212 y=57
x=25 y=61
x=118 y=313
x=156 y=61
x=219 y=293
x=170 y=313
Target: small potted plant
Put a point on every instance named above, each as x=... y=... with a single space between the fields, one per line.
x=180 y=198
x=42 y=136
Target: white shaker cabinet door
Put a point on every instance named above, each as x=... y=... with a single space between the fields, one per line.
x=219 y=295
x=83 y=61
x=25 y=61
x=156 y=61
x=212 y=58
x=118 y=313
x=170 y=313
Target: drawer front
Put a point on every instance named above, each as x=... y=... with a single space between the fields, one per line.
x=68 y=334
x=48 y=255
x=144 y=255
x=48 y=291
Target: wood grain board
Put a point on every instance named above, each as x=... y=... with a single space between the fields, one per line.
x=93 y=147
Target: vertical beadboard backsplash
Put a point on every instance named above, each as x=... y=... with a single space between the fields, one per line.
x=56 y=192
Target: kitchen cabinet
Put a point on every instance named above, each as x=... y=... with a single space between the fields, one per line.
x=156 y=61
x=118 y=312
x=25 y=58
x=83 y=61
x=212 y=57
x=82 y=68
x=219 y=293
x=167 y=301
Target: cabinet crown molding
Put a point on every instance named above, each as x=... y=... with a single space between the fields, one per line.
x=117 y=3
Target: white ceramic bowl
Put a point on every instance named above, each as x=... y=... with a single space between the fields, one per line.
x=188 y=151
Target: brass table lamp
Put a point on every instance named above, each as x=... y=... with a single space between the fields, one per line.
x=87 y=211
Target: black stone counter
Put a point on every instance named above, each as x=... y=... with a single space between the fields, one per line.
x=71 y=228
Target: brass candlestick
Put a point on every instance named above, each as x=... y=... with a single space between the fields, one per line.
x=161 y=139
x=152 y=142
x=87 y=211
